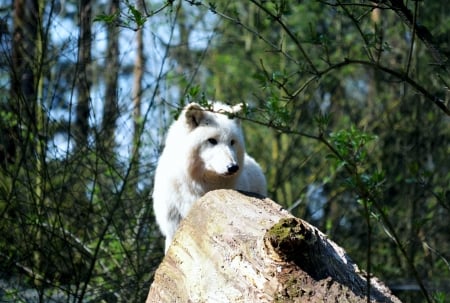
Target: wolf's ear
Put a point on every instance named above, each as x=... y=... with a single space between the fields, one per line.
x=239 y=108
x=193 y=114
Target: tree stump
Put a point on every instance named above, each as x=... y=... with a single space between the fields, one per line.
x=234 y=247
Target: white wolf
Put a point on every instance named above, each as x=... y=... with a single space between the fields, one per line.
x=204 y=150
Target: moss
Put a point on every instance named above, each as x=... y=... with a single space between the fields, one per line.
x=287 y=228
x=287 y=236
x=281 y=230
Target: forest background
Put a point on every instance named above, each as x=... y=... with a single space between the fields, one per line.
x=347 y=114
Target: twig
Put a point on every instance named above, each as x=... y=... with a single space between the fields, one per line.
x=399 y=75
x=290 y=34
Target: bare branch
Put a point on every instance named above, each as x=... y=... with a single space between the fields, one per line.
x=289 y=33
x=422 y=32
x=399 y=75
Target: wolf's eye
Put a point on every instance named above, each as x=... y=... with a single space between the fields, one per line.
x=232 y=142
x=212 y=141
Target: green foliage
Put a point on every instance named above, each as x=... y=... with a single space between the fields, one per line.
x=440 y=297
x=80 y=233
x=329 y=80
x=351 y=146
x=278 y=114
x=135 y=15
x=109 y=19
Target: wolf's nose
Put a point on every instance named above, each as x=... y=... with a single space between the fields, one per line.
x=232 y=168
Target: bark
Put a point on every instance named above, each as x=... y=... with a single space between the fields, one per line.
x=420 y=30
x=22 y=102
x=240 y=248
x=83 y=74
x=111 y=106
x=138 y=74
x=26 y=24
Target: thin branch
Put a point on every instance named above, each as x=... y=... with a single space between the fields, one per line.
x=422 y=32
x=372 y=6
x=289 y=33
x=399 y=75
x=366 y=194
x=356 y=23
x=252 y=31
x=413 y=38
x=158 y=10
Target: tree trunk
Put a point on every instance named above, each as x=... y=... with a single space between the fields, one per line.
x=239 y=248
x=138 y=75
x=111 y=105
x=83 y=74
x=26 y=24
x=22 y=103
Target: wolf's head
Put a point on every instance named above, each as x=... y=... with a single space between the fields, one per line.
x=217 y=140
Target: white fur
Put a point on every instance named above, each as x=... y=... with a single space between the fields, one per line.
x=191 y=164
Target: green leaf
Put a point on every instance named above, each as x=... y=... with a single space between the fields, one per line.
x=109 y=19
x=137 y=16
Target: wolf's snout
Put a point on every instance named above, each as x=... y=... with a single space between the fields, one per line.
x=232 y=168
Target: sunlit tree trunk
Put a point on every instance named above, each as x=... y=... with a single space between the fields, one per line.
x=137 y=97
x=83 y=74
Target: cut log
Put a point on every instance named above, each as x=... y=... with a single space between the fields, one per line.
x=234 y=247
